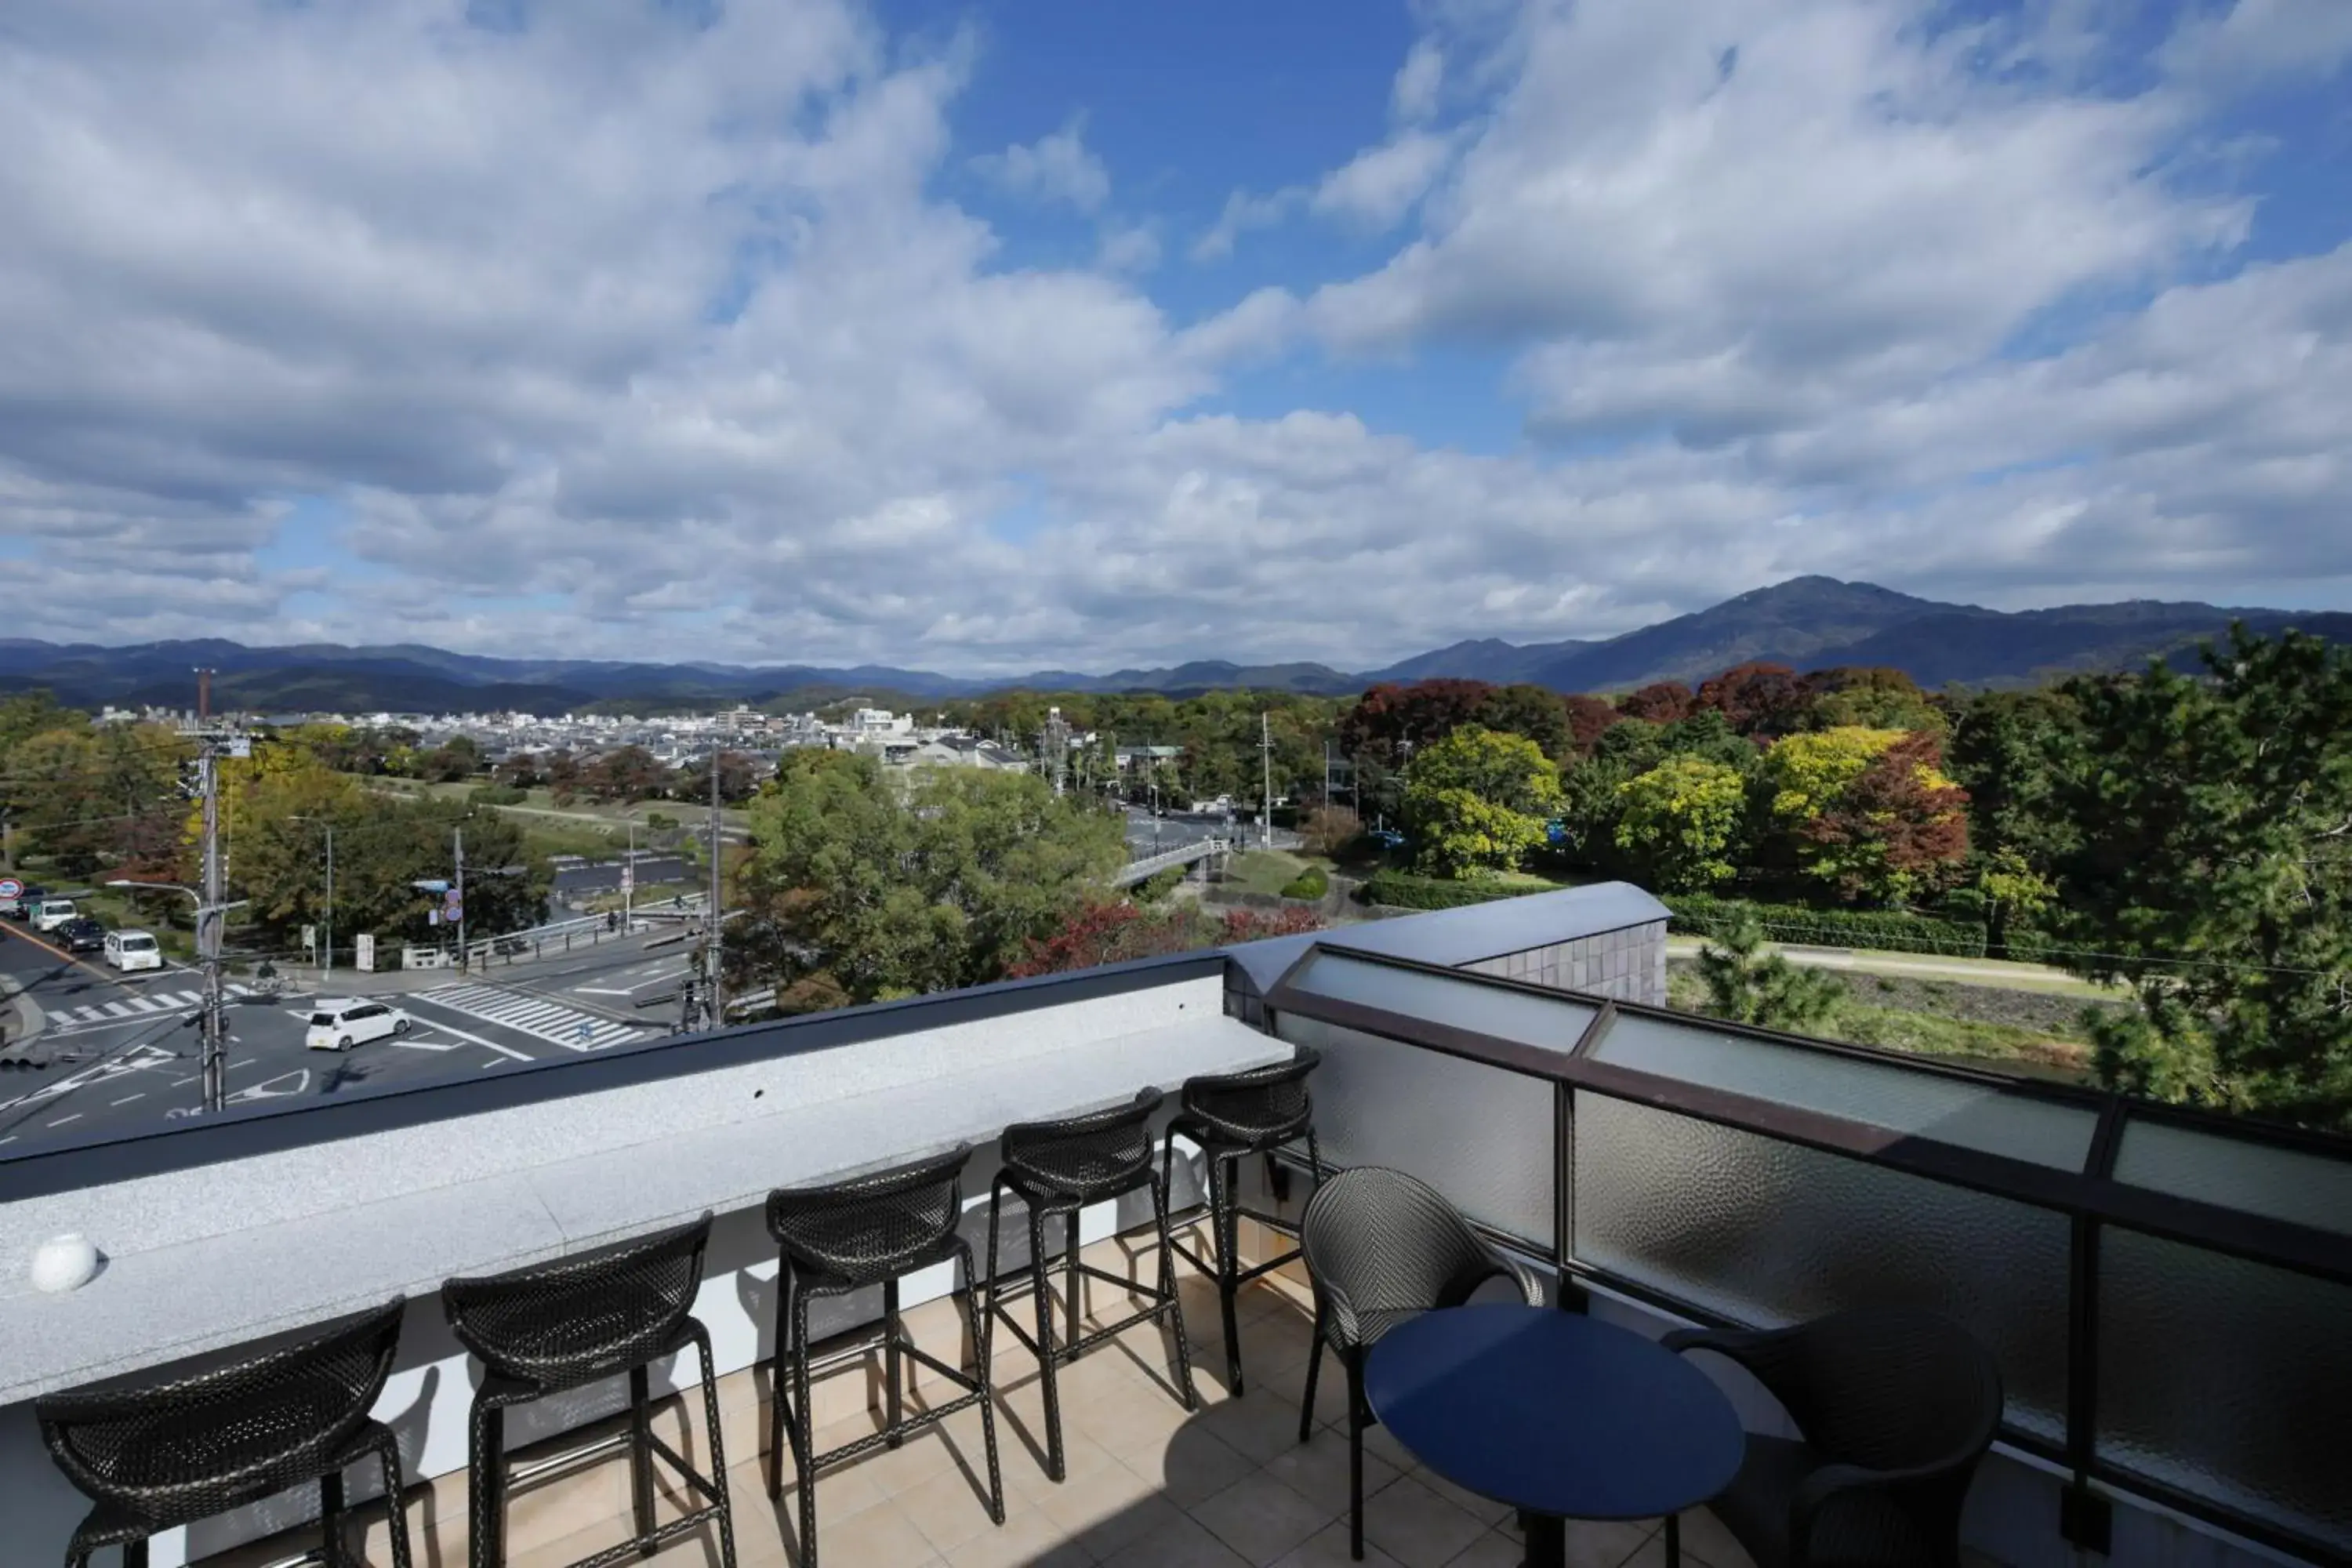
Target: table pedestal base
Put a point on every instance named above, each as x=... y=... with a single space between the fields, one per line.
x=1548 y=1541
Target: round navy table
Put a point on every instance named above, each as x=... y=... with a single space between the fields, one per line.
x=1556 y=1414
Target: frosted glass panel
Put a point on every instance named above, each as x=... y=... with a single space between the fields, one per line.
x=2229 y=1380
x=1767 y=1233
x=2258 y=1178
x=1889 y=1095
x=1466 y=1003
x=1481 y=1136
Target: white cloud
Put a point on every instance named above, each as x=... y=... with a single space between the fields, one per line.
x=1382 y=184
x=635 y=333
x=1414 y=98
x=1055 y=168
x=1243 y=212
x=1132 y=248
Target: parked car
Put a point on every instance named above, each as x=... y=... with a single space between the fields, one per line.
x=20 y=906
x=128 y=950
x=82 y=934
x=51 y=913
x=338 y=1026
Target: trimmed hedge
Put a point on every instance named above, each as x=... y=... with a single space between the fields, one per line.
x=1311 y=883
x=1701 y=914
x=1403 y=890
x=496 y=794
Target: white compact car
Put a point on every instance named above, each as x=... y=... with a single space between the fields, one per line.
x=353 y=1021
x=51 y=913
x=132 y=950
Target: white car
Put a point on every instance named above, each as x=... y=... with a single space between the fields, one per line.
x=51 y=913
x=353 y=1021
x=132 y=950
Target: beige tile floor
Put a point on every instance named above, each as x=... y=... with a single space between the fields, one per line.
x=1149 y=1485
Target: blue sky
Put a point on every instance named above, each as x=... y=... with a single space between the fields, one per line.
x=988 y=337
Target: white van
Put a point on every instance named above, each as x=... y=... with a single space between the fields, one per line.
x=338 y=1026
x=51 y=913
x=132 y=950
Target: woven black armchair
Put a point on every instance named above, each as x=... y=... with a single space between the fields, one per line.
x=844 y=1235
x=1056 y=1169
x=1383 y=1249
x=1896 y=1406
x=578 y=1320
x=1230 y=1115
x=184 y=1442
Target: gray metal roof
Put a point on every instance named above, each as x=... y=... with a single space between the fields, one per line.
x=1466 y=936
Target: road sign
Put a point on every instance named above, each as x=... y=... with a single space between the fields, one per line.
x=453 y=913
x=364 y=945
x=309 y=939
x=10 y=888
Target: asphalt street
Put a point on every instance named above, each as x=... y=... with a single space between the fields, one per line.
x=123 y=1050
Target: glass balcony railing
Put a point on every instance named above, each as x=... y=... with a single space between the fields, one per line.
x=2169 y=1295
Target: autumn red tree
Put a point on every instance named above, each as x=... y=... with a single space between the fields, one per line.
x=1900 y=828
x=1757 y=698
x=1116 y=933
x=1588 y=717
x=1660 y=702
x=1389 y=717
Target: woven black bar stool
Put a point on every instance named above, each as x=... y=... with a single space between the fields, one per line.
x=184 y=1442
x=1057 y=1168
x=577 y=1320
x=1231 y=1115
x=844 y=1235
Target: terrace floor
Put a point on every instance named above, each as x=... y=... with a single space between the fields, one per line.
x=1149 y=1484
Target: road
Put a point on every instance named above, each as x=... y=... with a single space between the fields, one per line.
x=2002 y=973
x=123 y=1055
x=1174 y=831
x=604 y=875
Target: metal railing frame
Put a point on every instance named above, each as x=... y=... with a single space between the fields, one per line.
x=2089 y=1198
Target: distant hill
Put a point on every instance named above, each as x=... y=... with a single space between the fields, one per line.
x=1807 y=622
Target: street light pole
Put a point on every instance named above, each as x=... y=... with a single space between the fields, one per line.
x=213 y=1072
x=208 y=935
x=327 y=965
x=711 y=948
x=458 y=836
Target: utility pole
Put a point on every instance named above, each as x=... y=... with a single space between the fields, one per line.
x=629 y=883
x=327 y=947
x=458 y=836
x=1266 y=797
x=208 y=930
x=711 y=938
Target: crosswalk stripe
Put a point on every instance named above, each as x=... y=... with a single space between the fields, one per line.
x=118 y=1009
x=541 y=1019
x=147 y=1003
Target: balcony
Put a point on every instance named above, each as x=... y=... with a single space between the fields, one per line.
x=2165 y=1293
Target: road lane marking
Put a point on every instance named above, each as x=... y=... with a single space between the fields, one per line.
x=129 y=1097
x=414 y=1044
x=61 y=1121
x=532 y=1015
x=489 y=1045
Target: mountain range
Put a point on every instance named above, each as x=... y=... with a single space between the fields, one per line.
x=1807 y=622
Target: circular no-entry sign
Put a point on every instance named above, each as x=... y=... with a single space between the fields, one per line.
x=10 y=886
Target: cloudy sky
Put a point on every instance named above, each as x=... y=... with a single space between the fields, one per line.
x=982 y=336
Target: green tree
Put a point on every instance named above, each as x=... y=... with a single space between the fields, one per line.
x=2014 y=894
x=863 y=886
x=2210 y=868
x=2005 y=750
x=1750 y=985
x=1681 y=819
x=107 y=797
x=1478 y=801
x=1804 y=774
x=1532 y=711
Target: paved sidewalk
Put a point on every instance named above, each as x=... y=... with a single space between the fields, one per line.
x=2000 y=973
